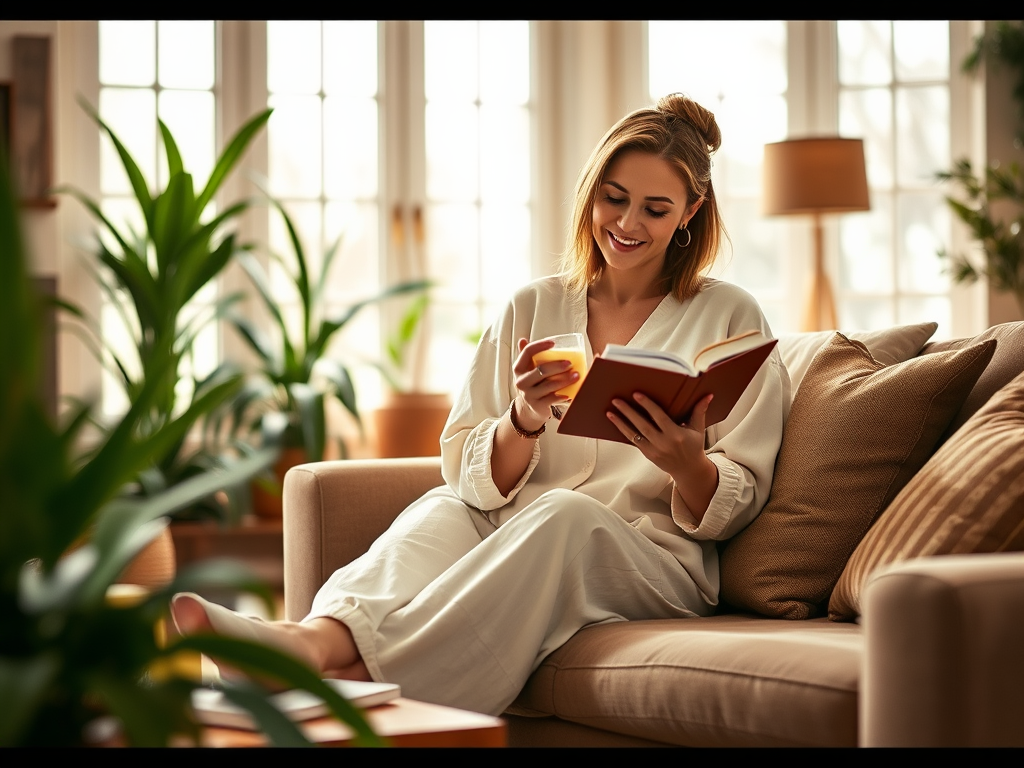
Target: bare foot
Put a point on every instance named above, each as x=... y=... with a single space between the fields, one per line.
x=323 y=643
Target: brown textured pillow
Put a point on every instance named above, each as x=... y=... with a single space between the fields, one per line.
x=969 y=497
x=858 y=431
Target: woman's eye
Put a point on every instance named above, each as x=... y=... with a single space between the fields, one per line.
x=657 y=214
x=614 y=200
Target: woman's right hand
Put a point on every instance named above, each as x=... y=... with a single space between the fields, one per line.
x=537 y=385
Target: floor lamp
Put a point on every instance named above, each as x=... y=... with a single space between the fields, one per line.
x=815 y=176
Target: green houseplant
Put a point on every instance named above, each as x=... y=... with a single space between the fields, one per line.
x=999 y=235
x=69 y=658
x=152 y=277
x=283 y=403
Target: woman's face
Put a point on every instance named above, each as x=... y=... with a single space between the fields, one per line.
x=640 y=205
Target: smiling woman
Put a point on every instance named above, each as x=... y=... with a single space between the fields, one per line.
x=537 y=534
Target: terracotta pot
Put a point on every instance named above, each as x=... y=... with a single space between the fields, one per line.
x=154 y=566
x=410 y=424
x=267 y=502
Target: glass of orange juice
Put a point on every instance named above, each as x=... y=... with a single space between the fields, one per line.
x=571 y=347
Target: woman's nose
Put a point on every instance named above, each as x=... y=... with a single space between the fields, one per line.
x=628 y=219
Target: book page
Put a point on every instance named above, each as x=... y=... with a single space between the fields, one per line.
x=652 y=358
x=722 y=350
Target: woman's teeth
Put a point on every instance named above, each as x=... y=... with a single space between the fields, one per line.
x=624 y=240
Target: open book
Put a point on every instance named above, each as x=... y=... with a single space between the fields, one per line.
x=212 y=707
x=723 y=369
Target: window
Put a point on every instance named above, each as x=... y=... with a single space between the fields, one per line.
x=894 y=92
x=736 y=69
x=147 y=70
x=449 y=199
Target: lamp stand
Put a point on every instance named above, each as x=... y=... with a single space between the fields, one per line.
x=820 y=307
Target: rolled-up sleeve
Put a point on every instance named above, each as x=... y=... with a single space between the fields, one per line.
x=743 y=447
x=467 y=442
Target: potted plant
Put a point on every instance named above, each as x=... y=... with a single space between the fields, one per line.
x=283 y=404
x=410 y=421
x=70 y=659
x=998 y=233
x=151 y=277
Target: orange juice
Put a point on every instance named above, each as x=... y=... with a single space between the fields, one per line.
x=577 y=357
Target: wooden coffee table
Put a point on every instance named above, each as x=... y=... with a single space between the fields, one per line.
x=402 y=722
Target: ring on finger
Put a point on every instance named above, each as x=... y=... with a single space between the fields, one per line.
x=637 y=438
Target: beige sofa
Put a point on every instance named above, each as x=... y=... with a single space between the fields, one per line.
x=937 y=657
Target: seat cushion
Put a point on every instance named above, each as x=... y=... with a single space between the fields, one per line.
x=733 y=680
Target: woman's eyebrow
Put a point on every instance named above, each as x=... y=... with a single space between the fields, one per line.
x=621 y=188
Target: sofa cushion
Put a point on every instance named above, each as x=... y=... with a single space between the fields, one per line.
x=1006 y=363
x=857 y=432
x=888 y=346
x=732 y=680
x=969 y=497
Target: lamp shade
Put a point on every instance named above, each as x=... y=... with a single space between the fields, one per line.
x=815 y=175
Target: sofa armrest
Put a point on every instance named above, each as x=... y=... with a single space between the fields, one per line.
x=944 y=653
x=333 y=512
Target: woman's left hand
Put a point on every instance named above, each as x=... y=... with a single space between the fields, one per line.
x=678 y=449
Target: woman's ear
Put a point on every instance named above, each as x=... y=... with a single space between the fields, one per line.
x=691 y=212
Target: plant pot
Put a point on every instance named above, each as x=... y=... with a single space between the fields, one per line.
x=154 y=566
x=410 y=424
x=267 y=501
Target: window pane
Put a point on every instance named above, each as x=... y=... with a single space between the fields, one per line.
x=350 y=58
x=293 y=138
x=452 y=151
x=451 y=65
x=864 y=52
x=708 y=58
x=922 y=50
x=505 y=153
x=866 y=314
x=127 y=52
x=927 y=309
x=131 y=114
x=190 y=117
x=868 y=115
x=923 y=224
x=293 y=56
x=922 y=143
x=865 y=259
x=350 y=147
x=757 y=253
x=186 y=54
x=504 y=249
x=453 y=249
x=356 y=274
x=502 y=42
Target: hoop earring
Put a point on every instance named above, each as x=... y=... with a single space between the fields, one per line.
x=689 y=237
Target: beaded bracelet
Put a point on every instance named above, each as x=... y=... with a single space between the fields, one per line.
x=519 y=430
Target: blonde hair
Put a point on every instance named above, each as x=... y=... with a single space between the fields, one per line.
x=685 y=135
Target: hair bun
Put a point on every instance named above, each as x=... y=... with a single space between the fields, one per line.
x=688 y=110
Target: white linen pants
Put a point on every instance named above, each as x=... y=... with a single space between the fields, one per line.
x=460 y=613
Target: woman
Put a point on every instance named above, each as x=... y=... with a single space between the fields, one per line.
x=537 y=534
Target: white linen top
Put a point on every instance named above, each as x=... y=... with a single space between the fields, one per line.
x=743 y=446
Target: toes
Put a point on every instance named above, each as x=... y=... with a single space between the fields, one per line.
x=189 y=615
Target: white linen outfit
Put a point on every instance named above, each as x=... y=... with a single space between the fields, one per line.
x=468 y=591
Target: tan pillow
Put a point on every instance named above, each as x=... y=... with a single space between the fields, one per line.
x=858 y=431
x=1006 y=363
x=888 y=346
x=969 y=497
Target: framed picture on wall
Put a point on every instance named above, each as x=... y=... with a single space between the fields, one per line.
x=32 y=149
x=6 y=122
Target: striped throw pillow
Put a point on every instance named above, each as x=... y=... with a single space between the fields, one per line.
x=969 y=497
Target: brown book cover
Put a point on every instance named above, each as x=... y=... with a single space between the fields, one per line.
x=674 y=391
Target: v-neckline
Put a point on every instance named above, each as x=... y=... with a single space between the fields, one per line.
x=583 y=315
